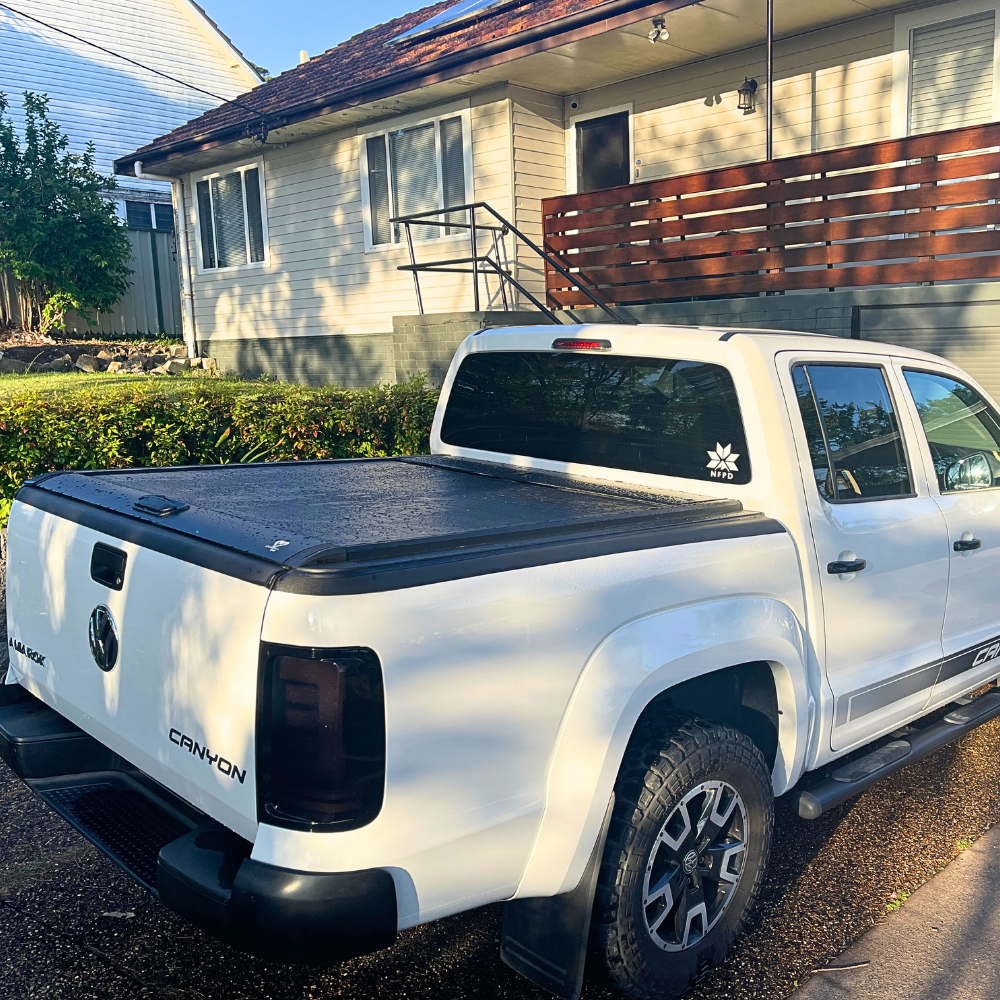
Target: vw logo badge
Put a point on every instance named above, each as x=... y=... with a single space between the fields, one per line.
x=103 y=638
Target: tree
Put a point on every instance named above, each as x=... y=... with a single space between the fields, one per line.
x=60 y=235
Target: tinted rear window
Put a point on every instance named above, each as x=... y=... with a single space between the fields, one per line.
x=670 y=418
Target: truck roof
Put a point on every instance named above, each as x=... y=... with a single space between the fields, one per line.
x=636 y=339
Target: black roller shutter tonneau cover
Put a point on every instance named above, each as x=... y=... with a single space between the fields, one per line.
x=362 y=525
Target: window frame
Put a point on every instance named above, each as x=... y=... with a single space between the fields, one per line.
x=925 y=443
x=242 y=167
x=926 y=17
x=461 y=111
x=907 y=449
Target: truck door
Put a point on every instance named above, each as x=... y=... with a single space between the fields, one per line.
x=882 y=548
x=962 y=436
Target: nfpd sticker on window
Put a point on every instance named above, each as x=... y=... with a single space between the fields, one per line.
x=722 y=461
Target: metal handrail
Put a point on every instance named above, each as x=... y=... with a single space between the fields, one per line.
x=476 y=259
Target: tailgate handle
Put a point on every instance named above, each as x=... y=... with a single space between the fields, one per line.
x=107 y=566
x=160 y=506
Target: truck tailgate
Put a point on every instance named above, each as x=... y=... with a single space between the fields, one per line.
x=179 y=702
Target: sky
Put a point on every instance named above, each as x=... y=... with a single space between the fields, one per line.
x=271 y=33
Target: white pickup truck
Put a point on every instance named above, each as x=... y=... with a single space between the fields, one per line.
x=647 y=579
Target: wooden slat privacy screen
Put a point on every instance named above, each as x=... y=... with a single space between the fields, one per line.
x=908 y=206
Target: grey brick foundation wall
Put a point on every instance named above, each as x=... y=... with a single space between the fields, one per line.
x=351 y=360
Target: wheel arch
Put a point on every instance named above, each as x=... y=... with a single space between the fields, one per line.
x=680 y=658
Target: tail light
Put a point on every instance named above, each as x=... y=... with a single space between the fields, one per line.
x=321 y=738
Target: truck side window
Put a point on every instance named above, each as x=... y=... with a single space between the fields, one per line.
x=854 y=441
x=962 y=431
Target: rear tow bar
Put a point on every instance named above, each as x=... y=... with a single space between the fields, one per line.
x=861 y=774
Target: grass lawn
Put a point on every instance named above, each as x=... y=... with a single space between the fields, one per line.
x=61 y=382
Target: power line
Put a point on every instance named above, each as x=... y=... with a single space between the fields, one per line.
x=148 y=69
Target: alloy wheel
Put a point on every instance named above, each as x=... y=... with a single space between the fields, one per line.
x=695 y=865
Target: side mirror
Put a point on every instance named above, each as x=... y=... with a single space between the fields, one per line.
x=970 y=473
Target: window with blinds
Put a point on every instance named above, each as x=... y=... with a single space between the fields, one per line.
x=951 y=74
x=231 y=219
x=414 y=170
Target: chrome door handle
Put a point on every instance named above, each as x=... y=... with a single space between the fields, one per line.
x=853 y=566
x=968 y=544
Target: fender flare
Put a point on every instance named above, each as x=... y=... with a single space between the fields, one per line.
x=625 y=673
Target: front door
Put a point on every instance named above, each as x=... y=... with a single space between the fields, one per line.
x=882 y=548
x=602 y=152
x=963 y=435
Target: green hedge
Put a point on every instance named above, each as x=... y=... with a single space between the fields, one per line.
x=195 y=421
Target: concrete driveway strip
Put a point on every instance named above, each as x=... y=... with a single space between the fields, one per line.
x=940 y=945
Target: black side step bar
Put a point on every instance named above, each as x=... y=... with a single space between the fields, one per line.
x=861 y=774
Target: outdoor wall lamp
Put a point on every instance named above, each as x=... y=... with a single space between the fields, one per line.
x=747 y=102
x=658 y=33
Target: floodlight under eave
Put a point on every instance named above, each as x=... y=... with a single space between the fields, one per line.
x=464 y=10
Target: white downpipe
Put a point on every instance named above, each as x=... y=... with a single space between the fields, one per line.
x=187 y=291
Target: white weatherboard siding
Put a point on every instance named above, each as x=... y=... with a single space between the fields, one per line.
x=97 y=97
x=539 y=163
x=319 y=279
x=491 y=171
x=832 y=88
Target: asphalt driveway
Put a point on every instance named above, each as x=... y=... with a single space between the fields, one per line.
x=75 y=926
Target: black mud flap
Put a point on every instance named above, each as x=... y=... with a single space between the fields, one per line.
x=545 y=938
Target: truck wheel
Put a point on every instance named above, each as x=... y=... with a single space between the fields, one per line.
x=689 y=840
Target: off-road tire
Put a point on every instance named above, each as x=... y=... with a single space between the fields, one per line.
x=662 y=765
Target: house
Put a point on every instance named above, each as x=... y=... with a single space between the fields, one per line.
x=100 y=64
x=632 y=161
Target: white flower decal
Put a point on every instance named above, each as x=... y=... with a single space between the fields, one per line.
x=723 y=458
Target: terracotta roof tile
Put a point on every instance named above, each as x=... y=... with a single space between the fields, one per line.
x=366 y=58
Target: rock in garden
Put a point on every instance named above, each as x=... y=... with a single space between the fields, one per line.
x=63 y=364
x=115 y=366
x=12 y=366
x=88 y=363
x=175 y=366
x=178 y=350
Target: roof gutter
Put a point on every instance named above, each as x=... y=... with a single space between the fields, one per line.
x=597 y=20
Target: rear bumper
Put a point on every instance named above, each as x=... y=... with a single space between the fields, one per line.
x=195 y=866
